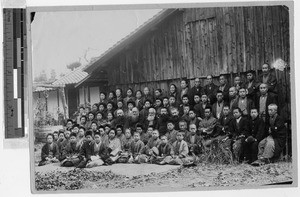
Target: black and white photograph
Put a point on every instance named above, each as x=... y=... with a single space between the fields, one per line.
x=162 y=99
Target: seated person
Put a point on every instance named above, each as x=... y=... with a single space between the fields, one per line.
x=94 y=127
x=103 y=135
x=165 y=150
x=71 y=152
x=120 y=133
x=207 y=126
x=55 y=136
x=257 y=133
x=75 y=128
x=50 y=151
x=154 y=141
x=183 y=127
x=136 y=147
x=162 y=121
x=244 y=103
x=100 y=152
x=185 y=115
x=86 y=150
x=200 y=107
x=239 y=131
x=271 y=146
x=100 y=119
x=180 y=149
x=171 y=133
x=61 y=138
x=193 y=118
x=193 y=141
x=114 y=145
x=145 y=137
x=64 y=143
x=125 y=146
x=222 y=129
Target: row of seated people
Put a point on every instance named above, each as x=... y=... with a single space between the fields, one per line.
x=249 y=138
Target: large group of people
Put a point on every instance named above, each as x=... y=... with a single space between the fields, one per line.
x=176 y=127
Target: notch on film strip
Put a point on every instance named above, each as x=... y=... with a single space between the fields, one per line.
x=14 y=49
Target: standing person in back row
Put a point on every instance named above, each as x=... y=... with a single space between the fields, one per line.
x=264 y=100
x=184 y=84
x=196 y=90
x=224 y=87
x=210 y=90
x=268 y=78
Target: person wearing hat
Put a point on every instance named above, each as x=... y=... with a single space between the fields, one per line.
x=70 y=153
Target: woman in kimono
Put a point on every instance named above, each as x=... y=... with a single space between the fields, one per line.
x=50 y=151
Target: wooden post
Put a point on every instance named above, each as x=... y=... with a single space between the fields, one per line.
x=64 y=103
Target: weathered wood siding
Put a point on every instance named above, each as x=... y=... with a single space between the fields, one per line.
x=200 y=41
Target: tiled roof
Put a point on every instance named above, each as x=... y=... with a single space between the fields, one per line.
x=72 y=77
x=127 y=40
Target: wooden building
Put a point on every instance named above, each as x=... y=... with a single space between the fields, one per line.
x=196 y=42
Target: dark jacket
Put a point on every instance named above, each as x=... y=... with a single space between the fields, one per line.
x=272 y=82
x=46 y=150
x=165 y=150
x=70 y=150
x=211 y=90
x=193 y=91
x=197 y=139
x=225 y=92
x=271 y=98
x=162 y=122
x=223 y=127
x=257 y=128
x=250 y=105
x=87 y=150
x=214 y=109
x=241 y=128
x=278 y=132
x=200 y=110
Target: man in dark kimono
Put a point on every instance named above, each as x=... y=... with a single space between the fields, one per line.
x=271 y=146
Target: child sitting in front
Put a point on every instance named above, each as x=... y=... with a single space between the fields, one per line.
x=136 y=147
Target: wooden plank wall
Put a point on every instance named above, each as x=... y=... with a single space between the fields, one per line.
x=196 y=42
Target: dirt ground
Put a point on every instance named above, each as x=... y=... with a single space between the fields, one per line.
x=144 y=176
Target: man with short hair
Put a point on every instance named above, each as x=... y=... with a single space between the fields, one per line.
x=267 y=77
x=244 y=103
x=172 y=133
x=196 y=90
x=210 y=89
x=193 y=141
x=200 y=108
x=264 y=100
x=224 y=87
x=239 y=130
x=271 y=146
x=257 y=133
x=252 y=86
x=217 y=107
x=207 y=126
x=233 y=97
